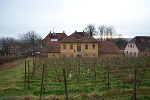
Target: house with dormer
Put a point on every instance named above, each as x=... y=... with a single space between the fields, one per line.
x=50 y=46
x=138 y=46
x=79 y=44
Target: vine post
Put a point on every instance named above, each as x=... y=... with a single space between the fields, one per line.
x=134 y=84
x=25 y=75
x=65 y=81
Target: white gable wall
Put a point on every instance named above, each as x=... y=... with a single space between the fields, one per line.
x=131 y=50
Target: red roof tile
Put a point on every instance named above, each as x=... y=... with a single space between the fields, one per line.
x=108 y=47
x=79 y=37
x=53 y=46
x=59 y=35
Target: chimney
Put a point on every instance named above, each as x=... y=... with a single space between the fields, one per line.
x=63 y=31
x=50 y=31
x=75 y=31
x=83 y=31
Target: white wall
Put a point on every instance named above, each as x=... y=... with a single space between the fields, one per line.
x=131 y=50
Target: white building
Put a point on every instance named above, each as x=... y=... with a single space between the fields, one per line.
x=139 y=45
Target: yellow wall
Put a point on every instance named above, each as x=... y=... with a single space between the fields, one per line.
x=85 y=52
x=53 y=55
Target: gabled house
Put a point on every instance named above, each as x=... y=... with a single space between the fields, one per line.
x=108 y=49
x=79 y=44
x=138 y=46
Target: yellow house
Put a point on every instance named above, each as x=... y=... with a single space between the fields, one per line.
x=79 y=44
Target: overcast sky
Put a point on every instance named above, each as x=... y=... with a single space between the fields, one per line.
x=129 y=17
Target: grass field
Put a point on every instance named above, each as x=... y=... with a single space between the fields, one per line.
x=87 y=79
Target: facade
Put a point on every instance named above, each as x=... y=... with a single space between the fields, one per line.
x=138 y=46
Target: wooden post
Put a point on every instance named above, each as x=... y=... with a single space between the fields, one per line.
x=28 y=73
x=65 y=84
x=94 y=73
x=134 y=84
x=108 y=77
x=25 y=75
x=41 y=90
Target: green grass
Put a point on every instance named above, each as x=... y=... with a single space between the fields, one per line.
x=82 y=84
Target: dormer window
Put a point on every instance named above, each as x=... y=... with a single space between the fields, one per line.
x=79 y=38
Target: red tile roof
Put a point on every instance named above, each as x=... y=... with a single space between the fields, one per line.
x=108 y=47
x=52 y=47
x=79 y=37
x=59 y=35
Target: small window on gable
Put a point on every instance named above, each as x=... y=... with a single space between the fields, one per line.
x=79 y=37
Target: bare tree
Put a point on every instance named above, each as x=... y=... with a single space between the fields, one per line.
x=102 y=31
x=30 y=42
x=110 y=32
x=90 y=29
x=7 y=42
x=119 y=36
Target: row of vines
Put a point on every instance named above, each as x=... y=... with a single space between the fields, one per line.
x=106 y=77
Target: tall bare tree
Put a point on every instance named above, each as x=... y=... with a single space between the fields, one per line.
x=7 y=42
x=30 y=42
x=102 y=31
x=90 y=29
x=110 y=32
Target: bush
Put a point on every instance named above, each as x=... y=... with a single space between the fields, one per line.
x=7 y=59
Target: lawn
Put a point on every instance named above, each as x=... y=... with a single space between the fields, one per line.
x=88 y=78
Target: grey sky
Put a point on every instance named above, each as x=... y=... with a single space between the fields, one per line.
x=129 y=17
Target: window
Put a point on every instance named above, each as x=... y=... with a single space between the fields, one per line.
x=130 y=46
x=86 y=55
x=86 y=46
x=93 y=55
x=79 y=37
x=93 y=46
x=133 y=46
x=134 y=53
x=64 y=46
x=71 y=46
x=53 y=55
x=78 y=48
x=127 y=52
